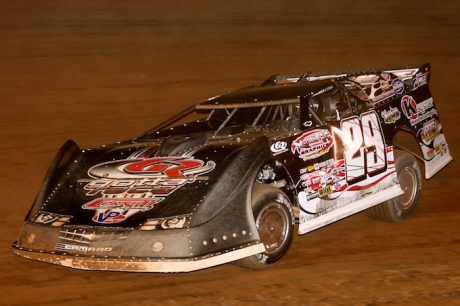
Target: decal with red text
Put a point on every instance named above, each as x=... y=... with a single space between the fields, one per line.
x=312 y=144
x=323 y=178
x=417 y=112
x=126 y=187
x=433 y=142
x=429 y=131
x=118 y=210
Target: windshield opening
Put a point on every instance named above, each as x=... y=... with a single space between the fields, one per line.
x=221 y=120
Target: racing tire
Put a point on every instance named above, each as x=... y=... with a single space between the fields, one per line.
x=401 y=207
x=275 y=222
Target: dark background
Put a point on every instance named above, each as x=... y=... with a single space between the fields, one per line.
x=99 y=72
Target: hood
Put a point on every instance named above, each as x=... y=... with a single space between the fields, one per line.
x=129 y=184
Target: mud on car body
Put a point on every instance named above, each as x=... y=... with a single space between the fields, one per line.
x=309 y=148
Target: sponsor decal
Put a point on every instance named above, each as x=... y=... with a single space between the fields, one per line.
x=391 y=115
x=409 y=107
x=398 y=86
x=109 y=211
x=326 y=190
x=429 y=131
x=417 y=112
x=134 y=185
x=433 y=144
x=430 y=154
x=385 y=87
x=312 y=144
x=437 y=148
x=420 y=79
x=279 y=147
x=307 y=123
x=322 y=179
x=52 y=218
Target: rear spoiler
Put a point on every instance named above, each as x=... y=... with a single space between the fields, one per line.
x=405 y=74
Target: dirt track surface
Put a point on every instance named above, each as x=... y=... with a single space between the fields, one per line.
x=106 y=71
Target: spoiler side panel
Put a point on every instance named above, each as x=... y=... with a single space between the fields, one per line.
x=420 y=116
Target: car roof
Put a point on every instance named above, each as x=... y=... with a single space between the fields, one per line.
x=265 y=95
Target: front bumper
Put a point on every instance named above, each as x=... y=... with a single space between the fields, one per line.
x=118 y=249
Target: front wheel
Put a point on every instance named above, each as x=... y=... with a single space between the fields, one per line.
x=274 y=220
x=402 y=207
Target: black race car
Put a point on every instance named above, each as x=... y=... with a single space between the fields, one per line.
x=310 y=148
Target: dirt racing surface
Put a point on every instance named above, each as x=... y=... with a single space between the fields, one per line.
x=107 y=71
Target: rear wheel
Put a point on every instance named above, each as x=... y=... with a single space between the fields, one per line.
x=275 y=224
x=402 y=207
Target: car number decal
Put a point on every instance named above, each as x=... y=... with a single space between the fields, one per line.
x=365 y=153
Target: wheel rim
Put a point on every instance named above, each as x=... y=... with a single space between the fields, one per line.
x=272 y=225
x=408 y=181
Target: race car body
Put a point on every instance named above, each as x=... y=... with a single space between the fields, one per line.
x=311 y=148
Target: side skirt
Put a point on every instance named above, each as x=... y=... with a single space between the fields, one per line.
x=350 y=209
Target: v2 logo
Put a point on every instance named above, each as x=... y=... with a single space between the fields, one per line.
x=109 y=217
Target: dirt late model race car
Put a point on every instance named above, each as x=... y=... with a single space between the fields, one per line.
x=230 y=187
